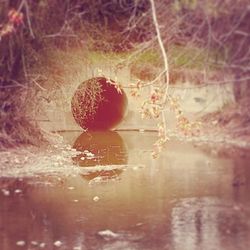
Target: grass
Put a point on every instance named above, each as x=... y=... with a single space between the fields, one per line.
x=151 y=56
x=95 y=56
x=181 y=59
x=192 y=57
x=179 y=56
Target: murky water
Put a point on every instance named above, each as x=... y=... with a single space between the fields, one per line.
x=189 y=198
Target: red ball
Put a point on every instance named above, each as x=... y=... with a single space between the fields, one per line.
x=98 y=105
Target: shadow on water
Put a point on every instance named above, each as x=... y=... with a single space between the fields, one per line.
x=186 y=199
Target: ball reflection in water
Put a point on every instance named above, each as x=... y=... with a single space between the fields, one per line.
x=98 y=105
x=101 y=148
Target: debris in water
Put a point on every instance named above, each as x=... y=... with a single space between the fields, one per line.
x=108 y=234
x=75 y=200
x=20 y=243
x=139 y=224
x=96 y=198
x=96 y=180
x=18 y=191
x=71 y=188
x=42 y=245
x=90 y=155
x=57 y=243
x=34 y=243
x=5 y=192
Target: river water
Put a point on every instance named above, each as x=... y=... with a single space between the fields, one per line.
x=190 y=198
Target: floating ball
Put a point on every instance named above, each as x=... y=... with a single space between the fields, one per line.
x=98 y=105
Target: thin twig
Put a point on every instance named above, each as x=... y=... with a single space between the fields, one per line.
x=28 y=19
x=160 y=41
x=165 y=59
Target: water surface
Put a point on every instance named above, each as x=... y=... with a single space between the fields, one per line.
x=189 y=198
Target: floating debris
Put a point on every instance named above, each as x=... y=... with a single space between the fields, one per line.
x=71 y=188
x=6 y=192
x=75 y=201
x=96 y=180
x=42 y=245
x=18 y=191
x=77 y=248
x=108 y=234
x=90 y=156
x=58 y=243
x=139 y=224
x=20 y=243
x=96 y=198
x=87 y=154
x=34 y=243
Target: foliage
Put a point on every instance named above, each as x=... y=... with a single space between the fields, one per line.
x=201 y=38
